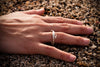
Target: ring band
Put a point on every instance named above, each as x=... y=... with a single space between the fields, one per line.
x=54 y=36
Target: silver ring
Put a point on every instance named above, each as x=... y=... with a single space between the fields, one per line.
x=54 y=36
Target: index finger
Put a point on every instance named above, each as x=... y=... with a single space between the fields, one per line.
x=61 y=20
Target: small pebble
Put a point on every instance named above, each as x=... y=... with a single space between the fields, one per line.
x=82 y=10
x=93 y=46
x=99 y=48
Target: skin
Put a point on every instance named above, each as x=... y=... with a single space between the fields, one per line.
x=25 y=32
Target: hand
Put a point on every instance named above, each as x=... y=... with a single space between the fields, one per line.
x=25 y=32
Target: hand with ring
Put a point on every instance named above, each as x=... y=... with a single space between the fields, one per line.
x=25 y=32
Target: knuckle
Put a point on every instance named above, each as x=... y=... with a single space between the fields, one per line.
x=61 y=37
x=61 y=19
x=64 y=24
x=48 y=50
x=83 y=29
x=62 y=56
x=35 y=16
x=80 y=40
x=65 y=29
x=74 y=21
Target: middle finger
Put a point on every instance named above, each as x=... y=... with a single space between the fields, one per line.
x=63 y=38
x=67 y=28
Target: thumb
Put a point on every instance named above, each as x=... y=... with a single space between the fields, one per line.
x=39 y=12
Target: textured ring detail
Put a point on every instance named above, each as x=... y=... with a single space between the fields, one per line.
x=54 y=36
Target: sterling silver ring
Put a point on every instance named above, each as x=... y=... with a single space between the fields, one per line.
x=54 y=36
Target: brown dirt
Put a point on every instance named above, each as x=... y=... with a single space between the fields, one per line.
x=84 y=10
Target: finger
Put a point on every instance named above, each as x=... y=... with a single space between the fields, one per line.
x=61 y=20
x=68 y=28
x=56 y=53
x=64 y=38
x=31 y=12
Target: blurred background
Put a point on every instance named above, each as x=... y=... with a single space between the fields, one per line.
x=87 y=11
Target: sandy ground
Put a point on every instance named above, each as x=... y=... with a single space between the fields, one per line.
x=84 y=10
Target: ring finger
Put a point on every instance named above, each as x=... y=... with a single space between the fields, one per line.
x=63 y=38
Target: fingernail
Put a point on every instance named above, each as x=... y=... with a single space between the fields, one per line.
x=86 y=41
x=72 y=58
x=90 y=30
x=80 y=22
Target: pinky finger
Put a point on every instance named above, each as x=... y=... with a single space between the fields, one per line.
x=56 y=53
